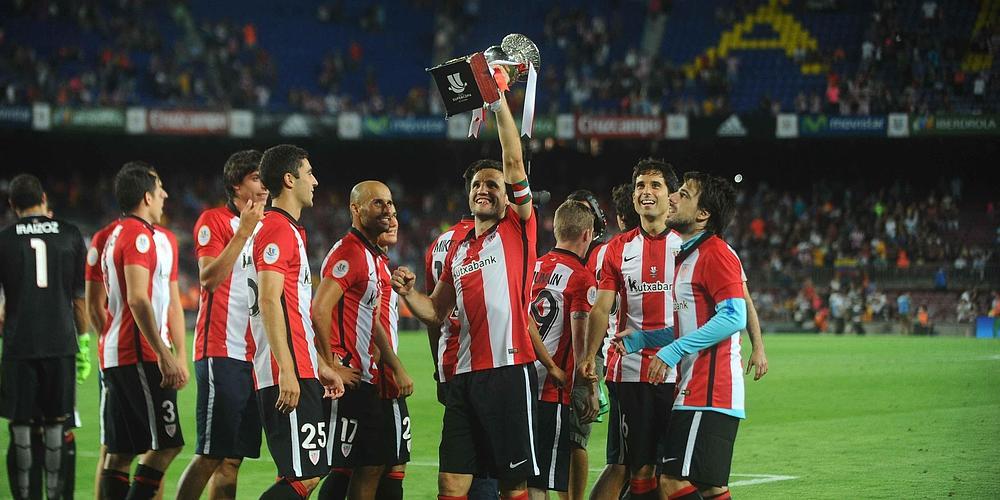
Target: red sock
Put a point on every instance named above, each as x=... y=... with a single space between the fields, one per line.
x=521 y=496
x=687 y=493
x=640 y=486
x=725 y=495
x=397 y=475
x=446 y=497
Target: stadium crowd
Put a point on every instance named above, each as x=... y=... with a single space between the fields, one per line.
x=162 y=54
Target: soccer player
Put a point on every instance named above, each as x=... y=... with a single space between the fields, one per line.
x=562 y=291
x=289 y=375
x=711 y=311
x=96 y=302
x=41 y=275
x=587 y=400
x=489 y=420
x=346 y=311
x=227 y=417
x=444 y=337
x=141 y=373
x=638 y=268
x=396 y=423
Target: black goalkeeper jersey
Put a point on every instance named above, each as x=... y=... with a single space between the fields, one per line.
x=41 y=272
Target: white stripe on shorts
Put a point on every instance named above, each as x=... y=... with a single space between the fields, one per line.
x=531 y=426
x=689 y=447
x=293 y=420
x=398 y=420
x=211 y=406
x=150 y=411
x=104 y=408
x=555 y=448
x=332 y=429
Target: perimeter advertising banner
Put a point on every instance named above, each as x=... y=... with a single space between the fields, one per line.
x=842 y=126
x=620 y=127
x=186 y=122
x=15 y=117
x=955 y=125
x=89 y=119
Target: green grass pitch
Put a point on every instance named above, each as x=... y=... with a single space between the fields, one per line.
x=836 y=417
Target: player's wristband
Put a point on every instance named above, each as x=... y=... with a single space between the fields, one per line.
x=522 y=192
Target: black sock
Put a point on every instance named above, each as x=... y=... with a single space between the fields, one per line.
x=145 y=483
x=336 y=484
x=390 y=486
x=69 y=465
x=283 y=490
x=114 y=485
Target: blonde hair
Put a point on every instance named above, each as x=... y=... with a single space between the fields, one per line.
x=572 y=219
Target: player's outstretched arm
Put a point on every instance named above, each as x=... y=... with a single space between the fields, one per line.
x=513 y=159
x=271 y=283
x=433 y=309
x=597 y=325
x=136 y=284
x=214 y=270
x=758 y=358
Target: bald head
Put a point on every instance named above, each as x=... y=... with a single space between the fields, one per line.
x=364 y=191
x=371 y=208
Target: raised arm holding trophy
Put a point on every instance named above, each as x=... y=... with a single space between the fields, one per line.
x=473 y=82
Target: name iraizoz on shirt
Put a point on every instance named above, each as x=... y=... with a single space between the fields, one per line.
x=47 y=227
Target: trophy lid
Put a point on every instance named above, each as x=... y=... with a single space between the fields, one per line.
x=521 y=49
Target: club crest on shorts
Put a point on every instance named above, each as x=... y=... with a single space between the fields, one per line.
x=171 y=429
x=345 y=449
x=314 y=456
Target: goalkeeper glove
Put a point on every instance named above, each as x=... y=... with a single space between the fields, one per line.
x=83 y=358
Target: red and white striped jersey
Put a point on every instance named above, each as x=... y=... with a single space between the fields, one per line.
x=595 y=259
x=561 y=285
x=388 y=317
x=434 y=259
x=93 y=270
x=223 y=325
x=490 y=275
x=354 y=263
x=640 y=268
x=713 y=377
x=133 y=241
x=280 y=246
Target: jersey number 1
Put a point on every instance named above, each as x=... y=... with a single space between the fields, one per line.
x=41 y=262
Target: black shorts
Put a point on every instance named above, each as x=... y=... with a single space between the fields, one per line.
x=42 y=389
x=699 y=447
x=298 y=441
x=490 y=423
x=396 y=431
x=139 y=415
x=359 y=438
x=637 y=423
x=553 y=447
x=227 y=415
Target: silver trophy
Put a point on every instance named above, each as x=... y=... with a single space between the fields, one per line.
x=515 y=53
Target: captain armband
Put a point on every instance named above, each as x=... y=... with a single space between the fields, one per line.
x=522 y=192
